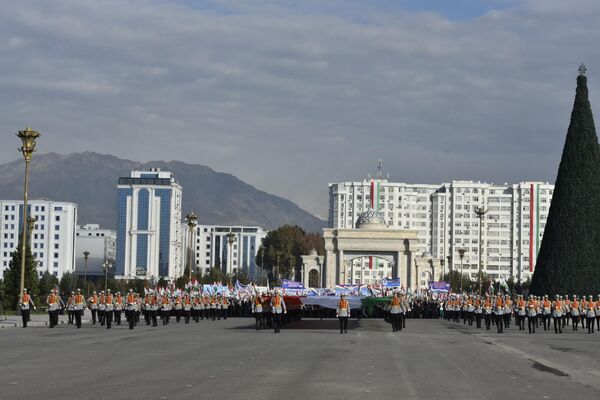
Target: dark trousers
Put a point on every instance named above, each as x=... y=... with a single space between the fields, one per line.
x=94 y=316
x=177 y=315
x=25 y=314
x=166 y=316
x=102 y=317
x=546 y=321
x=259 y=320
x=500 y=323
x=70 y=315
x=118 y=317
x=557 y=324
x=51 y=323
x=224 y=312
x=590 y=324
x=343 y=324
x=77 y=314
x=488 y=321
x=130 y=315
x=108 y=316
x=396 y=321
x=186 y=316
x=531 y=324
x=277 y=322
x=152 y=316
x=575 y=322
x=478 y=320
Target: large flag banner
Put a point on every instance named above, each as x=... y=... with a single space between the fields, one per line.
x=391 y=283
x=439 y=286
x=293 y=285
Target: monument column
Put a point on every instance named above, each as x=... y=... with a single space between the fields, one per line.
x=329 y=270
x=339 y=267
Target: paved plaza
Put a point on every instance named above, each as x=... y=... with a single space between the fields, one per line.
x=431 y=359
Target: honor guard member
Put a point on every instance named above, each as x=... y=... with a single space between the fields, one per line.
x=487 y=312
x=499 y=313
x=566 y=311
x=213 y=307
x=590 y=314
x=532 y=311
x=470 y=310
x=395 y=312
x=508 y=310
x=583 y=311
x=206 y=307
x=118 y=308
x=178 y=308
x=343 y=313
x=93 y=306
x=131 y=308
x=277 y=309
x=405 y=309
x=53 y=302
x=225 y=307
x=257 y=310
x=546 y=312
x=598 y=313
x=187 y=308
x=102 y=308
x=197 y=308
x=165 y=309
x=520 y=312
x=147 y=306
x=153 y=310
x=478 y=311
x=109 y=305
x=78 y=307
x=575 y=312
x=557 y=310
x=70 y=308
x=26 y=303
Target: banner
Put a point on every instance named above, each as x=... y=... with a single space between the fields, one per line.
x=391 y=283
x=293 y=285
x=439 y=286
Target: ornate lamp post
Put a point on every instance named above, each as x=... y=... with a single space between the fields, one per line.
x=86 y=255
x=191 y=219
x=230 y=240
x=106 y=266
x=461 y=254
x=28 y=137
x=480 y=211
x=30 y=227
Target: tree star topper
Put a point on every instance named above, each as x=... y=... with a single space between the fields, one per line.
x=582 y=70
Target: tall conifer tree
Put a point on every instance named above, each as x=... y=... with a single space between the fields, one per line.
x=569 y=257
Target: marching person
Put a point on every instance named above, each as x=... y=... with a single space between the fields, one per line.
x=109 y=305
x=213 y=307
x=557 y=310
x=395 y=312
x=499 y=313
x=118 y=308
x=197 y=308
x=187 y=308
x=78 y=307
x=165 y=309
x=224 y=306
x=178 y=307
x=343 y=313
x=532 y=307
x=70 y=308
x=597 y=311
x=521 y=312
x=93 y=306
x=478 y=311
x=102 y=308
x=546 y=312
x=575 y=313
x=508 y=309
x=487 y=312
x=257 y=310
x=153 y=310
x=131 y=307
x=590 y=314
x=53 y=302
x=25 y=304
x=277 y=308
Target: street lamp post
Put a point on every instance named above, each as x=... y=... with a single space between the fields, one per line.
x=443 y=270
x=191 y=219
x=28 y=138
x=480 y=211
x=230 y=241
x=461 y=254
x=86 y=255
x=30 y=227
x=106 y=266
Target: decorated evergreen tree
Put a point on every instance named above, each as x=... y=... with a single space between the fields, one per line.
x=569 y=257
x=12 y=276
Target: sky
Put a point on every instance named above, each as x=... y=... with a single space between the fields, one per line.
x=292 y=95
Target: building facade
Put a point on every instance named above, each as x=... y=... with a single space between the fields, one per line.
x=212 y=248
x=149 y=230
x=445 y=220
x=101 y=244
x=52 y=239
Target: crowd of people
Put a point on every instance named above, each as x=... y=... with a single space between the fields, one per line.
x=271 y=312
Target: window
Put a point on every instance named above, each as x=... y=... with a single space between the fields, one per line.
x=57 y=218
x=55 y=255
x=56 y=237
x=56 y=245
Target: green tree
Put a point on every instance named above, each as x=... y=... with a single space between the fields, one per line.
x=68 y=283
x=570 y=251
x=12 y=277
x=47 y=283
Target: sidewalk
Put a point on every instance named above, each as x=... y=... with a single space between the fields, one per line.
x=15 y=321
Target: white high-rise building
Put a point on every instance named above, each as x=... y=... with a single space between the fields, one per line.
x=212 y=249
x=149 y=226
x=445 y=219
x=101 y=244
x=52 y=239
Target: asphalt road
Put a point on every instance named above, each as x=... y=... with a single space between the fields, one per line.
x=307 y=360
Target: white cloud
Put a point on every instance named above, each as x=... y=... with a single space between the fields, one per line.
x=291 y=98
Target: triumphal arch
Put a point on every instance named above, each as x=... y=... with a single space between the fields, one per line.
x=372 y=237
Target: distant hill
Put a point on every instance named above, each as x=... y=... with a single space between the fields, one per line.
x=90 y=180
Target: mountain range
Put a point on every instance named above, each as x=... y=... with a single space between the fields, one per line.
x=90 y=180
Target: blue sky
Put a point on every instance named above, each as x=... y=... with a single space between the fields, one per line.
x=290 y=96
